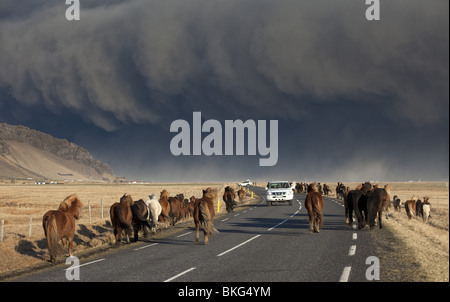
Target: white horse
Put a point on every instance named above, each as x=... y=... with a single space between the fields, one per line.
x=155 y=209
x=426 y=212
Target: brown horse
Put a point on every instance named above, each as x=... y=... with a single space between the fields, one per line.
x=60 y=224
x=122 y=218
x=165 y=207
x=241 y=194
x=341 y=191
x=190 y=206
x=314 y=206
x=410 y=207
x=204 y=215
x=326 y=189
x=229 y=199
x=175 y=212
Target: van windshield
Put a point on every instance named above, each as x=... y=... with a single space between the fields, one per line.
x=279 y=185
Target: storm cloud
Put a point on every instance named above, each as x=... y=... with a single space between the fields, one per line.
x=319 y=67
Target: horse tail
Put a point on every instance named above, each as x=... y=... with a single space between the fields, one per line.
x=208 y=224
x=139 y=217
x=408 y=210
x=371 y=211
x=54 y=249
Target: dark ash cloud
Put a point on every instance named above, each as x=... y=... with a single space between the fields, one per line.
x=319 y=67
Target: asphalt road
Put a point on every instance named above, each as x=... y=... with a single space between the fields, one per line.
x=257 y=243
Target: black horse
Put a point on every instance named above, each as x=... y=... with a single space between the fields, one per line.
x=377 y=200
x=356 y=201
x=397 y=203
x=140 y=218
x=341 y=190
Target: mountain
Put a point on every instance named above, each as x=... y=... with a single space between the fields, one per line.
x=27 y=153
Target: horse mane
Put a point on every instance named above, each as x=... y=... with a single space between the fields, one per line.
x=210 y=193
x=387 y=188
x=164 y=194
x=127 y=199
x=313 y=187
x=69 y=202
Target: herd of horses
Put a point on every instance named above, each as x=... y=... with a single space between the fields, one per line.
x=129 y=216
x=367 y=202
x=415 y=207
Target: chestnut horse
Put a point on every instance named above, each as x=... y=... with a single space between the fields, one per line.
x=165 y=207
x=326 y=189
x=241 y=194
x=60 y=224
x=122 y=218
x=204 y=215
x=175 y=212
x=410 y=207
x=314 y=206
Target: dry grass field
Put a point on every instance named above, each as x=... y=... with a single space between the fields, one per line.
x=426 y=246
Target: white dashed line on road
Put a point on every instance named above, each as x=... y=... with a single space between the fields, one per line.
x=180 y=274
x=235 y=247
x=345 y=274
x=352 y=250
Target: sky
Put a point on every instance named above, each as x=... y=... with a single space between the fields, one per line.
x=354 y=99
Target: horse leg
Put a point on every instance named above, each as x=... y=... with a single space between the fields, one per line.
x=317 y=222
x=197 y=230
x=63 y=241
x=311 y=222
x=136 y=235
x=380 y=217
x=347 y=220
x=70 y=246
x=128 y=233
x=118 y=235
x=145 y=232
x=350 y=220
x=206 y=237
